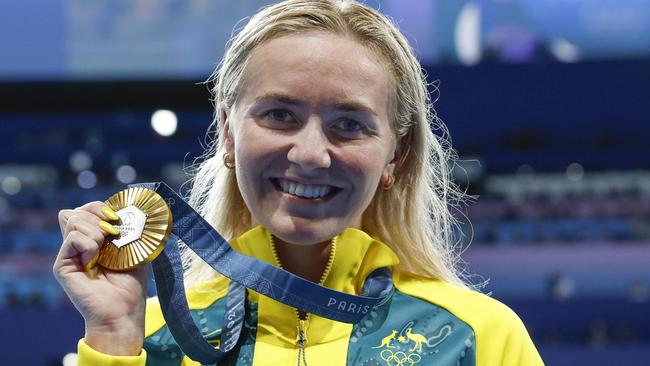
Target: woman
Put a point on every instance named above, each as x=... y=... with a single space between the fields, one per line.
x=327 y=166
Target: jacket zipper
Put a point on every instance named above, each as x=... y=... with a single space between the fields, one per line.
x=301 y=341
x=302 y=317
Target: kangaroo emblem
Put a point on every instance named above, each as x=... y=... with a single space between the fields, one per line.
x=386 y=340
x=417 y=338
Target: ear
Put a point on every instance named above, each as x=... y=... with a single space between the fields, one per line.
x=389 y=169
x=229 y=143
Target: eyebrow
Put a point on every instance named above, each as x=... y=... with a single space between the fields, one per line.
x=278 y=97
x=342 y=106
x=354 y=107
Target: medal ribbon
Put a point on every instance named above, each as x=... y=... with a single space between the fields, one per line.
x=244 y=272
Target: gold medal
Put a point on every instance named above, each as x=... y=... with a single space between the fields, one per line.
x=144 y=226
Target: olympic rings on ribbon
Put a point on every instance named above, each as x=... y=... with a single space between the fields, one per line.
x=399 y=358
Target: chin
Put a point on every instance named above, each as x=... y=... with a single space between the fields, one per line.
x=299 y=232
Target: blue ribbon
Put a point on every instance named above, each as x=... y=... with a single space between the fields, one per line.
x=244 y=272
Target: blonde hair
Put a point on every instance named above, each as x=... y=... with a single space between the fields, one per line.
x=413 y=217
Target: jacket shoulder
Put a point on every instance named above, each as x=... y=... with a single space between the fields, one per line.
x=501 y=337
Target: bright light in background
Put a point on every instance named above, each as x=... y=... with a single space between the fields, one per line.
x=564 y=50
x=80 y=160
x=70 y=359
x=11 y=185
x=87 y=179
x=467 y=34
x=125 y=174
x=575 y=172
x=164 y=122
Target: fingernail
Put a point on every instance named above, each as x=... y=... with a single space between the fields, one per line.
x=91 y=263
x=108 y=228
x=110 y=214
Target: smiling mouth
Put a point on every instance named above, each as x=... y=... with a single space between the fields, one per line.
x=306 y=191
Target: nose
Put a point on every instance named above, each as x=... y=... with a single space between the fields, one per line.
x=310 y=147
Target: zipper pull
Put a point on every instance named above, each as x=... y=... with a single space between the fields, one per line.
x=301 y=341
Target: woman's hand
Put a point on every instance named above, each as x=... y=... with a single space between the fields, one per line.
x=112 y=303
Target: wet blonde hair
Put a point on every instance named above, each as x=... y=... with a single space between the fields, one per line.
x=413 y=217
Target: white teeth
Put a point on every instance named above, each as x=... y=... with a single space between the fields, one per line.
x=304 y=190
x=300 y=190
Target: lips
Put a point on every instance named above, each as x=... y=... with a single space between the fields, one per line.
x=302 y=190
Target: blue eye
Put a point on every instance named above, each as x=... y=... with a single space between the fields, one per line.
x=279 y=115
x=349 y=125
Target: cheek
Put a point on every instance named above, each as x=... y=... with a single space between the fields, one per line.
x=373 y=163
x=249 y=157
x=251 y=147
x=257 y=153
x=365 y=171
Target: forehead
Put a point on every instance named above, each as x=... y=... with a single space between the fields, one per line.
x=318 y=66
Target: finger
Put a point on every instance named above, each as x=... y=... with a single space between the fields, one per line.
x=95 y=229
x=110 y=214
x=78 y=248
x=91 y=226
x=64 y=216
x=99 y=209
x=78 y=217
x=91 y=263
x=88 y=211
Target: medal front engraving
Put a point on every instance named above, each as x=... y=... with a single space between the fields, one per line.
x=131 y=225
x=144 y=226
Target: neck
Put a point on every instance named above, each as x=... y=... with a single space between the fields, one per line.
x=306 y=261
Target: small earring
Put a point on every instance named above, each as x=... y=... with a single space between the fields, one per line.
x=227 y=161
x=389 y=184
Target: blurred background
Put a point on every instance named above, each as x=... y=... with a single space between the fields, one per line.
x=546 y=102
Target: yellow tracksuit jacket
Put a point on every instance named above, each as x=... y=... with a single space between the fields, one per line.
x=426 y=322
